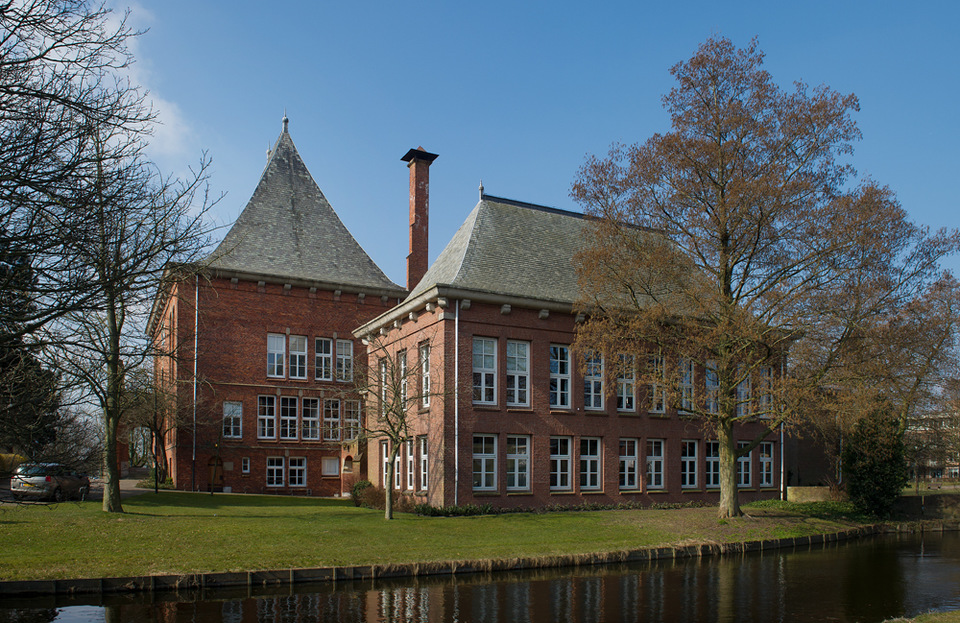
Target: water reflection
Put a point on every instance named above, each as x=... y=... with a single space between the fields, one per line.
x=865 y=581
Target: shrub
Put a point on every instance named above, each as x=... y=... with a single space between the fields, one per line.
x=874 y=462
x=356 y=494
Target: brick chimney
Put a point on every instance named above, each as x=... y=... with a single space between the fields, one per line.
x=418 y=161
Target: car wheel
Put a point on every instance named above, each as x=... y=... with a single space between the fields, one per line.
x=57 y=495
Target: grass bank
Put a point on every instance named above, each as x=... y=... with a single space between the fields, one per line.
x=175 y=532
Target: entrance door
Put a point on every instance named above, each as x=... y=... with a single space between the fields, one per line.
x=216 y=473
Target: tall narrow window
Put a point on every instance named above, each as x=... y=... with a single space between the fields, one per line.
x=288 y=417
x=266 y=417
x=655 y=463
x=766 y=464
x=298 y=356
x=385 y=464
x=518 y=374
x=744 y=465
x=331 y=419
x=344 y=360
x=518 y=463
x=484 y=462
x=484 y=370
x=274 y=471
x=712 y=383
x=351 y=419
x=397 y=471
x=688 y=464
x=628 y=463
x=686 y=385
x=384 y=387
x=411 y=464
x=559 y=376
x=589 y=463
x=323 y=361
x=713 y=464
x=424 y=464
x=765 y=389
x=424 y=375
x=310 y=419
x=658 y=391
x=275 y=354
x=593 y=382
x=402 y=371
x=298 y=471
x=626 y=384
x=744 y=395
x=560 y=463
x=232 y=420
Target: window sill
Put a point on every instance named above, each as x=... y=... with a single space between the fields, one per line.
x=768 y=489
x=554 y=411
x=746 y=490
x=656 y=491
x=562 y=493
x=486 y=494
x=485 y=407
x=591 y=492
x=518 y=493
x=519 y=409
x=693 y=490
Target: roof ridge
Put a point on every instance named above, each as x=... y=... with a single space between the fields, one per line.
x=532 y=206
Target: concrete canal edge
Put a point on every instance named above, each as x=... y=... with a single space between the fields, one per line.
x=257 y=579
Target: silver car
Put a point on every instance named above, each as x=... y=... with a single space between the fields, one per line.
x=48 y=481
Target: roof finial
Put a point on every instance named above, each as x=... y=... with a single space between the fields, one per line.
x=481 y=190
x=286 y=121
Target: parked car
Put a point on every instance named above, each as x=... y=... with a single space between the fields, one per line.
x=48 y=480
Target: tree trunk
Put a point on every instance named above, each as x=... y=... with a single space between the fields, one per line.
x=111 y=471
x=388 y=485
x=729 y=504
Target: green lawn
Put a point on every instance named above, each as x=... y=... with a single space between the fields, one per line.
x=175 y=532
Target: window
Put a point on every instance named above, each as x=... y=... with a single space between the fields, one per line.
x=384 y=388
x=518 y=463
x=324 y=359
x=232 y=420
x=766 y=464
x=765 y=387
x=688 y=464
x=275 y=353
x=559 y=463
x=626 y=384
x=402 y=368
x=397 y=472
x=518 y=374
x=686 y=384
x=658 y=391
x=424 y=481
x=713 y=464
x=424 y=375
x=484 y=370
x=298 y=357
x=589 y=463
x=274 y=471
x=712 y=383
x=266 y=417
x=744 y=391
x=655 y=463
x=559 y=377
x=344 y=360
x=484 y=462
x=351 y=419
x=330 y=466
x=245 y=465
x=411 y=464
x=310 y=422
x=628 y=463
x=288 y=417
x=593 y=382
x=331 y=419
x=298 y=471
x=385 y=464
x=744 y=465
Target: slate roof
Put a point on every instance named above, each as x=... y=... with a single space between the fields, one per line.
x=511 y=248
x=289 y=230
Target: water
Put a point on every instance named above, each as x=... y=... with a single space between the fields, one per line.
x=868 y=580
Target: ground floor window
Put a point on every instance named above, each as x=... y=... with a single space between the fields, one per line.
x=713 y=464
x=559 y=463
x=744 y=465
x=484 y=462
x=411 y=465
x=298 y=472
x=688 y=464
x=424 y=464
x=628 y=463
x=655 y=463
x=330 y=466
x=245 y=465
x=766 y=464
x=274 y=471
x=589 y=463
x=518 y=463
x=385 y=463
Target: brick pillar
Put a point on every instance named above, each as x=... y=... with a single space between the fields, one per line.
x=418 y=162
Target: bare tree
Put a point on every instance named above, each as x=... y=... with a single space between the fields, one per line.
x=735 y=237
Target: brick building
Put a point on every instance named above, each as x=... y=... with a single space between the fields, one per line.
x=260 y=344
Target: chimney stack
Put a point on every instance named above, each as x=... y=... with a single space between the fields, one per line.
x=418 y=161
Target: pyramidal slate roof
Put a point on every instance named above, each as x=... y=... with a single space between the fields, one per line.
x=511 y=248
x=289 y=230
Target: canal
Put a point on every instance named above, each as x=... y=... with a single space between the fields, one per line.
x=868 y=580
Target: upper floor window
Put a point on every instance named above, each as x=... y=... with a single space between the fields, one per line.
x=744 y=395
x=276 y=348
x=331 y=419
x=712 y=382
x=323 y=361
x=559 y=376
x=765 y=390
x=232 y=419
x=402 y=370
x=593 y=382
x=351 y=419
x=344 y=360
x=288 y=417
x=626 y=384
x=658 y=390
x=310 y=420
x=484 y=370
x=424 y=375
x=518 y=374
x=298 y=356
x=266 y=417
x=686 y=384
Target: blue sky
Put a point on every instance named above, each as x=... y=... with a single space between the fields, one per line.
x=517 y=93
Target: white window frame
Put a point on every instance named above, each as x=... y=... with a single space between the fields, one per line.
x=711 y=383
x=351 y=419
x=245 y=465
x=330 y=460
x=484 y=462
x=402 y=368
x=560 y=463
x=593 y=382
x=590 y=464
x=331 y=419
x=397 y=469
x=384 y=464
x=744 y=396
x=655 y=456
x=658 y=390
x=266 y=417
x=424 y=351
x=628 y=464
x=310 y=419
x=688 y=378
x=712 y=461
x=288 y=417
x=518 y=462
x=518 y=373
x=689 y=461
x=559 y=376
x=484 y=370
x=232 y=419
x=424 y=464
x=384 y=386
x=297 y=471
x=411 y=465
x=627 y=385
x=297 y=358
x=344 y=368
x=276 y=353
x=766 y=463
x=323 y=359
x=275 y=471
x=744 y=467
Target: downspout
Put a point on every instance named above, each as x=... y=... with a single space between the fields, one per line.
x=783 y=483
x=196 y=324
x=456 y=404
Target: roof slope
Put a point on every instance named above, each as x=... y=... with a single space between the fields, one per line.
x=289 y=230
x=511 y=248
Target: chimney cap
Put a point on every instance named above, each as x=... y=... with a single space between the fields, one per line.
x=419 y=154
